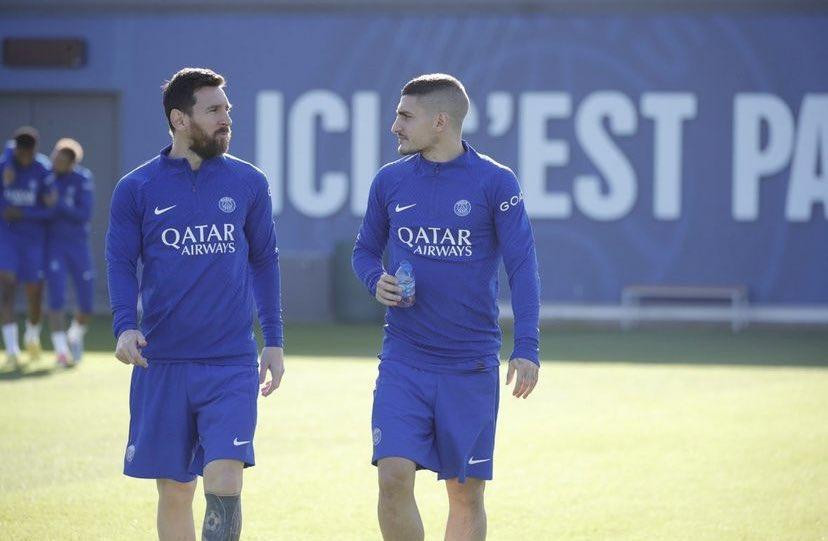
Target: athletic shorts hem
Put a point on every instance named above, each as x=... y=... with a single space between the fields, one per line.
x=420 y=465
x=443 y=476
x=161 y=475
x=200 y=471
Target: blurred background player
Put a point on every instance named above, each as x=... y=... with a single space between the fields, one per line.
x=67 y=249
x=25 y=206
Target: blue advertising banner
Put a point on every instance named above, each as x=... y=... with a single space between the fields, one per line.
x=651 y=148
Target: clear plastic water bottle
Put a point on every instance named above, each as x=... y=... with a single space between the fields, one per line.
x=405 y=279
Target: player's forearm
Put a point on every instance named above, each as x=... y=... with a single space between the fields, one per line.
x=524 y=284
x=83 y=211
x=75 y=214
x=123 y=295
x=69 y=213
x=367 y=265
x=366 y=258
x=123 y=249
x=37 y=214
x=267 y=294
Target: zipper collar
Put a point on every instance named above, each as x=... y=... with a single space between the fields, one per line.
x=181 y=165
x=435 y=168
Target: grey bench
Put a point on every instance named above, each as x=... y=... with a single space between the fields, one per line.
x=633 y=296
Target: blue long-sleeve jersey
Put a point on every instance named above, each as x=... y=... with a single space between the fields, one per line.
x=453 y=221
x=207 y=242
x=73 y=210
x=27 y=190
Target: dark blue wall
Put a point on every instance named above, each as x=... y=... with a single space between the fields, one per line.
x=731 y=109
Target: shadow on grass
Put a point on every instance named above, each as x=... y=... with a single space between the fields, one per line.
x=703 y=345
x=690 y=345
x=15 y=375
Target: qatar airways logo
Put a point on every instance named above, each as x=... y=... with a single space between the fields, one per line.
x=436 y=241
x=22 y=197
x=203 y=239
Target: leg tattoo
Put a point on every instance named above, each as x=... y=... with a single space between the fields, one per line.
x=222 y=519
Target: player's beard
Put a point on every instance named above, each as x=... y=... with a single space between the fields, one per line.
x=207 y=147
x=407 y=146
x=408 y=150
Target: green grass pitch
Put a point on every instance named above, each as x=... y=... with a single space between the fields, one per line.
x=648 y=435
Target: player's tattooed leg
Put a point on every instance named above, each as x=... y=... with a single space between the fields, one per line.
x=222 y=519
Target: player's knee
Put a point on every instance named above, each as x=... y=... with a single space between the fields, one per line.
x=34 y=288
x=7 y=293
x=174 y=493
x=467 y=495
x=7 y=281
x=395 y=479
x=223 y=477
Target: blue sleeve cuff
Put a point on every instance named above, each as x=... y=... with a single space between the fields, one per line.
x=372 y=283
x=525 y=351
x=274 y=342
x=121 y=327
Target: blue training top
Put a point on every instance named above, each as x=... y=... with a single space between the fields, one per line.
x=453 y=222
x=25 y=188
x=207 y=242
x=73 y=210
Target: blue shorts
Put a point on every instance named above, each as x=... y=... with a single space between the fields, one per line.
x=442 y=422
x=73 y=259
x=184 y=415
x=22 y=257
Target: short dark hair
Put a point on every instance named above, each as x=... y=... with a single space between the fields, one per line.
x=25 y=138
x=432 y=82
x=445 y=91
x=179 y=91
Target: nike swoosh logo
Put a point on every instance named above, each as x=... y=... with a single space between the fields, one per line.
x=158 y=211
x=398 y=208
x=237 y=443
x=472 y=461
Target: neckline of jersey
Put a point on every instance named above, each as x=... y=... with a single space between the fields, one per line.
x=182 y=164
x=460 y=161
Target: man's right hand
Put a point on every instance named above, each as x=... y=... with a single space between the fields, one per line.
x=8 y=175
x=128 y=349
x=388 y=292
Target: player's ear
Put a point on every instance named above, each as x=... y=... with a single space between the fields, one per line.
x=440 y=121
x=177 y=119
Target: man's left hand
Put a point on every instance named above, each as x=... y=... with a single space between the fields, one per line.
x=527 y=376
x=273 y=360
x=12 y=214
x=50 y=199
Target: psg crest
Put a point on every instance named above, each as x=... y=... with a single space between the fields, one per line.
x=227 y=204
x=462 y=208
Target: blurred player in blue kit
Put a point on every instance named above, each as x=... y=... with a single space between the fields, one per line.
x=67 y=249
x=446 y=215
x=26 y=204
